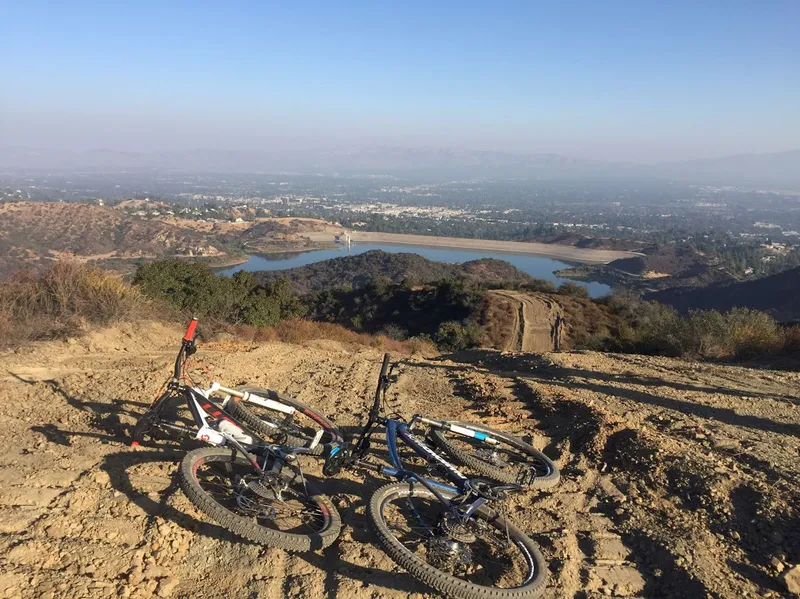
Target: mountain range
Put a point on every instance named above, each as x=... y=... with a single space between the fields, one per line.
x=778 y=169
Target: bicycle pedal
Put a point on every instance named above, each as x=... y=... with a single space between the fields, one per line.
x=525 y=477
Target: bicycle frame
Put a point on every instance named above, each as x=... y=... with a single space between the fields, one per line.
x=214 y=425
x=356 y=455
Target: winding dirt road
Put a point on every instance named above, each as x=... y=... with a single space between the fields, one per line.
x=534 y=321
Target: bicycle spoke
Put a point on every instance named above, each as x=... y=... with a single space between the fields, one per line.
x=288 y=511
x=473 y=550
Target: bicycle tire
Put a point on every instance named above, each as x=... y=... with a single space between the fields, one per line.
x=508 y=475
x=254 y=422
x=248 y=527
x=438 y=579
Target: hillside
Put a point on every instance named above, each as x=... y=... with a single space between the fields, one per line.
x=359 y=269
x=521 y=320
x=659 y=267
x=678 y=478
x=33 y=233
x=278 y=234
x=776 y=294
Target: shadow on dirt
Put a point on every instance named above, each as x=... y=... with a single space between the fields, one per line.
x=105 y=417
x=663 y=575
x=761 y=533
x=540 y=369
x=121 y=468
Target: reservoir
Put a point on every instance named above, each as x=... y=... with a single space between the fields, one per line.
x=539 y=267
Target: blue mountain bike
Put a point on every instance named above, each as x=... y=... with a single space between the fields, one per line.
x=451 y=535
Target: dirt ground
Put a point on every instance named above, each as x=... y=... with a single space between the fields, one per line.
x=679 y=479
x=535 y=316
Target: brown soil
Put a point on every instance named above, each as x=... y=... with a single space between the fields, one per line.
x=679 y=479
x=535 y=316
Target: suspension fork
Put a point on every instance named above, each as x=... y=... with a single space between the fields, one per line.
x=394 y=428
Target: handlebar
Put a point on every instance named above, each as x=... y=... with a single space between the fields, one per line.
x=189 y=336
x=187 y=347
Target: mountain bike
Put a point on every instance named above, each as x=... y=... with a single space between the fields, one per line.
x=494 y=454
x=271 y=415
x=449 y=535
x=252 y=487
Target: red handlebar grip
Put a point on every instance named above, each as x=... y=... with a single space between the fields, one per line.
x=190 y=330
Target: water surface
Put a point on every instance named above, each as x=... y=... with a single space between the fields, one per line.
x=539 y=267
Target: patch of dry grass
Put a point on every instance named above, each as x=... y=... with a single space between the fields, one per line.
x=61 y=300
x=497 y=321
x=299 y=331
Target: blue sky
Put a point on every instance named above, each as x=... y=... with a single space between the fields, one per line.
x=629 y=80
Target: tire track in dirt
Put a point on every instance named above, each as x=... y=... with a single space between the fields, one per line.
x=534 y=321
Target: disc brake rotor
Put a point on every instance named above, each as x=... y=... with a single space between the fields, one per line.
x=447 y=553
x=256 y=506
x=492 y=457
x=459 y=530
x=257 y=496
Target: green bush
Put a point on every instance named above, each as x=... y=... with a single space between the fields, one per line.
x=573 y=289
x=539 y=285
x=381 y=306
x=791 y=339
x=240 y=299
x=753 y=333
x=655 y=329
x=453 y=335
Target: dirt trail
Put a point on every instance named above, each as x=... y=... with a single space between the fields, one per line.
x=679 y=479
x=534 y=321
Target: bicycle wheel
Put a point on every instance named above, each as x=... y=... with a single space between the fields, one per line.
x=509 y=461
x=295 y=430
x=280 y=510
x=482 y=557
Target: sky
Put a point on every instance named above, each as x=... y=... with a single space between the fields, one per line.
x=611 y=80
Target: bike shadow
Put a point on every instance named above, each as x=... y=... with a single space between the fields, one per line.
x=349 y=492
x=104 y=416
x=156 y=504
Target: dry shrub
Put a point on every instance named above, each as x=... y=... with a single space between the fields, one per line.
x=61 y=300
x=753 y=333
x=299 y=331
x=422 y=346
x=497 y=319
x=791 y=339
